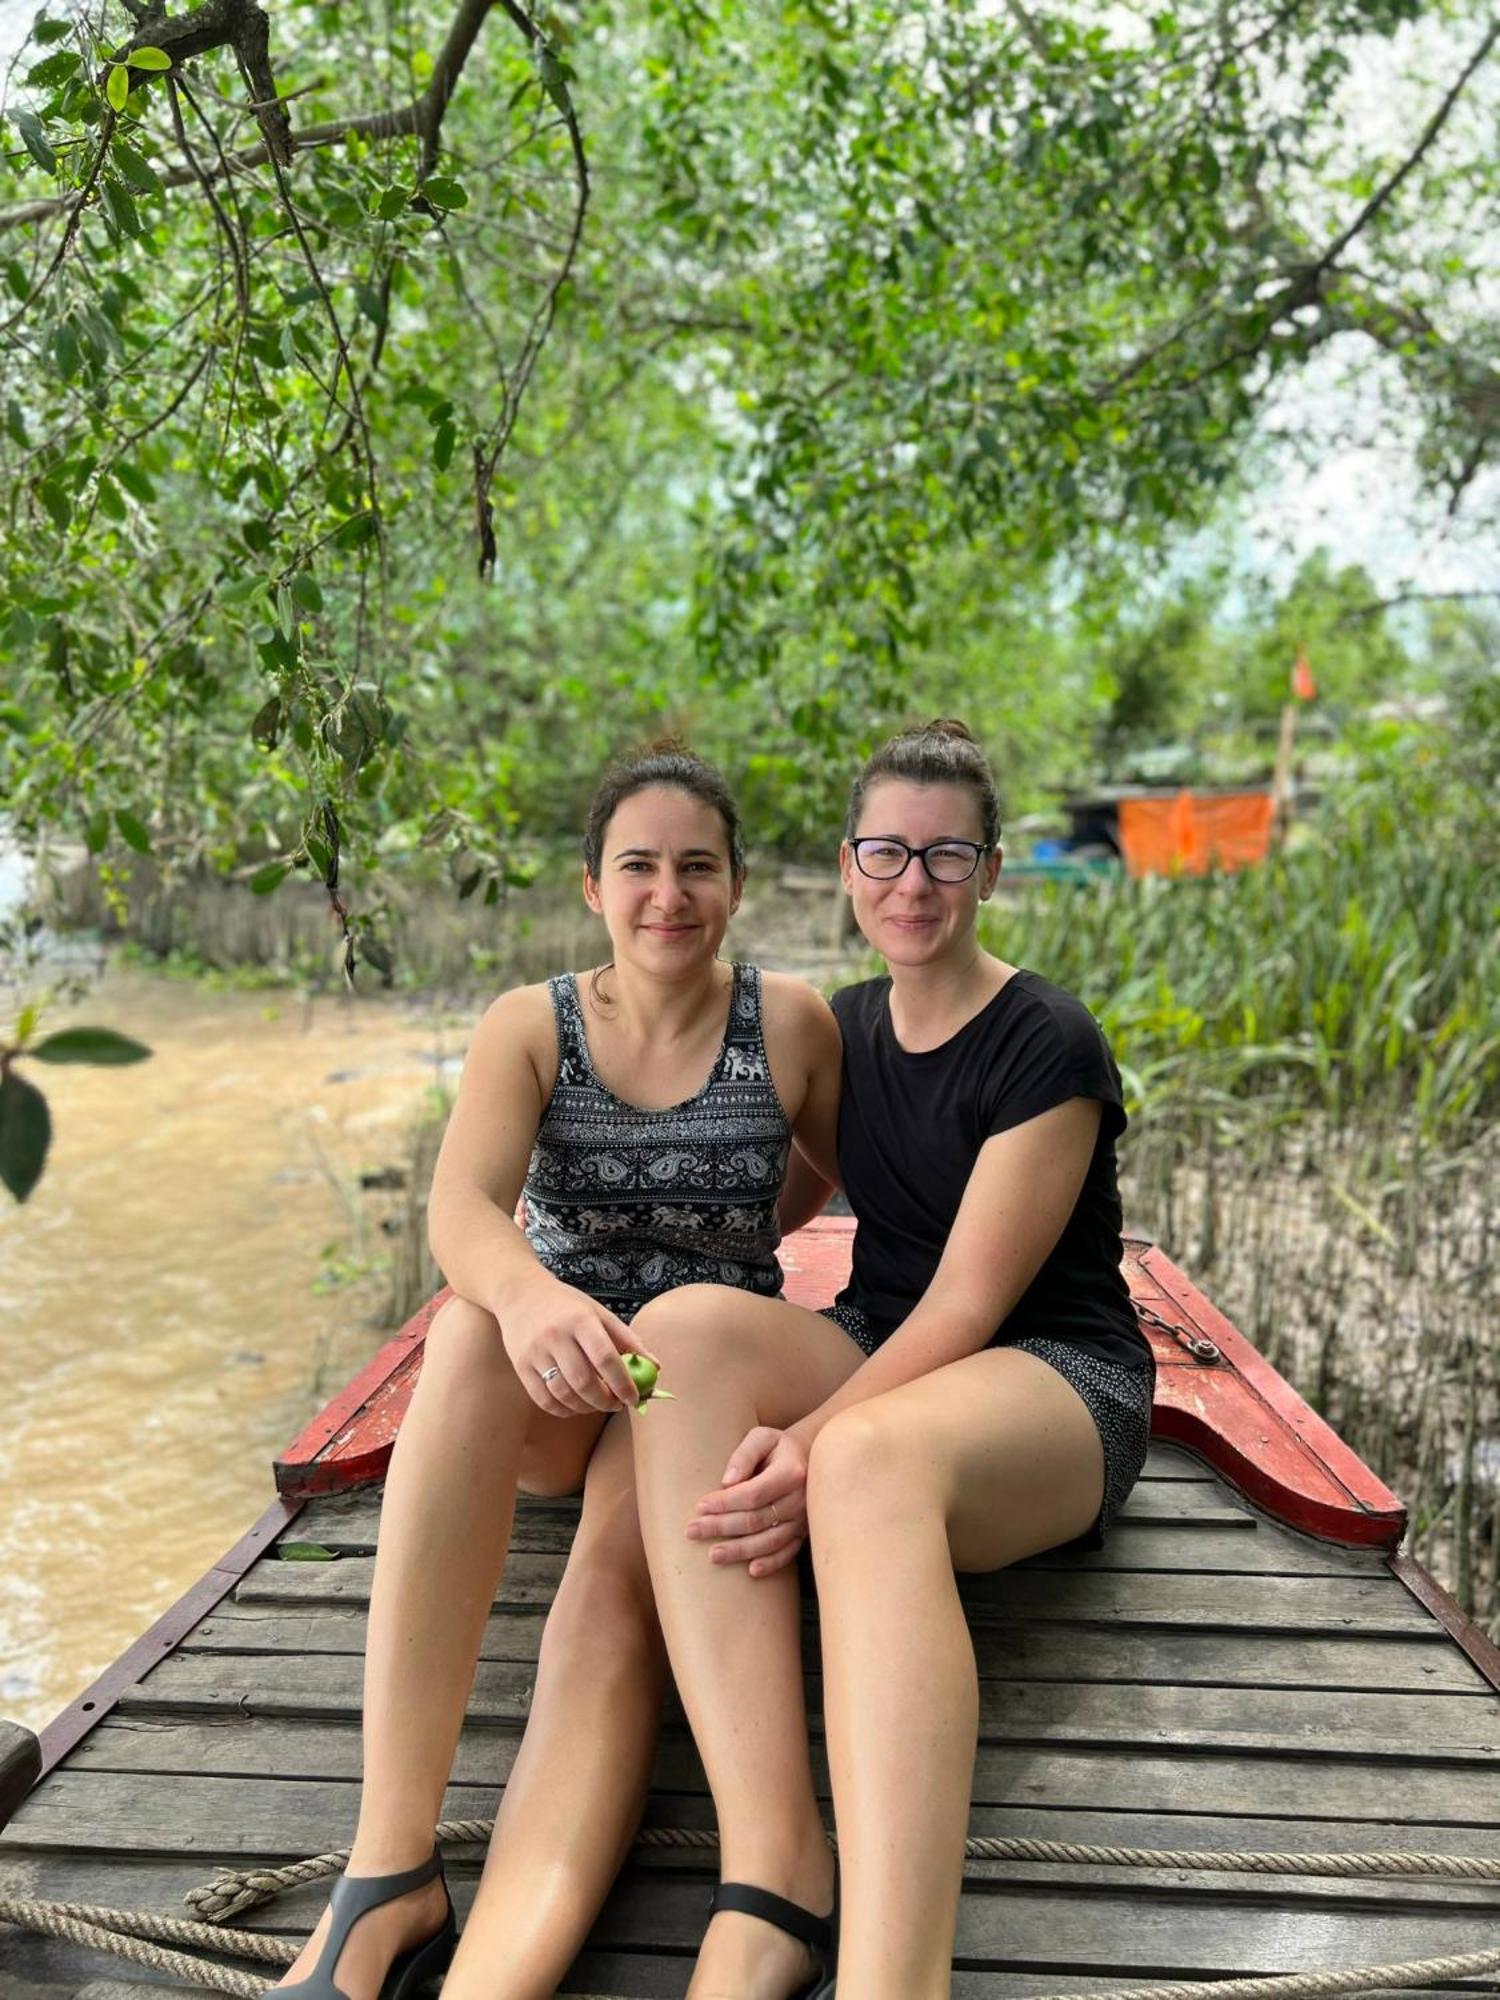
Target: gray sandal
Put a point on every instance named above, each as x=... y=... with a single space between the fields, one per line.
x=353 y=1897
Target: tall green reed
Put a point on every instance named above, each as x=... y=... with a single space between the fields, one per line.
x=1311 y=1053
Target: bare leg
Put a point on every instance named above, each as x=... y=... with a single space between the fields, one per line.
x=734 y=1639
x=575 y=1795
x=975 y=1465
x=471 y=1435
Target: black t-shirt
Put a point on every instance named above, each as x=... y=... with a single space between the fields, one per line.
x=911 y=1127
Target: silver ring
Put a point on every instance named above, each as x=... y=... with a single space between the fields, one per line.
x=549 y=1374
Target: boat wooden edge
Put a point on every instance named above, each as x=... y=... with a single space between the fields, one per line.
x=20 y=1766
x=1465 y=1633
x=67 y=1729
x=1216 y=1396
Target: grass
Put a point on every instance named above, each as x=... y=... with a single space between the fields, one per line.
x=1311 y=1053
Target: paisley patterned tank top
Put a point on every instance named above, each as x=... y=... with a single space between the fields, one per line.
x=625 y=1203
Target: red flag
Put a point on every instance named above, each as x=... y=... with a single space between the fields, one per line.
x=1304 y=687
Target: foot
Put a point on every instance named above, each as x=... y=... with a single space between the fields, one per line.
x=376 y=1941
x=746 y=1958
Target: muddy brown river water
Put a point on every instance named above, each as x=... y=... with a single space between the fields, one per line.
x=165 y=1317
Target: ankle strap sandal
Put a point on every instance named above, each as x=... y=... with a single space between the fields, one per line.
x=819 y=1934
x=355 y=1896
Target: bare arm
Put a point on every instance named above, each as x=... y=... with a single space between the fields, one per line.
x=482 y=1165
x=804 y=1193
x=564 y=1345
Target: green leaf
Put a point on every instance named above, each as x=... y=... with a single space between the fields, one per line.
x=35 y=139
x=25 y=1026
x=390 y=202
x=304 y=1552
x=266 y=728
x=45 y=33
x=89 y=1045
x=373 y=952
x=445 y=193
x=65 y=350
x=96 y=832
x=58 y=502
x=136 y=168
x=111 y=500
x=355 y=531
x=25 y=1134
x=54 y=69
x=306 y=591
x=265 y=880
x=554 y=77
x=133 y=831
x=443 y=440
x=149 y=58
x=136 y=483
x=117 y=88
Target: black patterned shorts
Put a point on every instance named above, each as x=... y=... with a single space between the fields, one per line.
x=1118 y=1399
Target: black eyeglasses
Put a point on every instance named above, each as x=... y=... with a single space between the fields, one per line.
x=884 y=858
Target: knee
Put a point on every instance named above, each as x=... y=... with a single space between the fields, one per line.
x=859 y=1462
x=681 y=1328
x=464 y=1356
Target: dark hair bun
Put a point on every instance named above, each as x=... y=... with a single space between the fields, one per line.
x=941 y=752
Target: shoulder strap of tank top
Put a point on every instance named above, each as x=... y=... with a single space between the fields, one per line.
x=744 y=1031
x=572 y=1048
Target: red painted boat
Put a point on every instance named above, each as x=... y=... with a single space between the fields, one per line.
x=1253 y=1664
x=1215 y=1395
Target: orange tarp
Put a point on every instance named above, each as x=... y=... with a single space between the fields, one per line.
x=1194 y=832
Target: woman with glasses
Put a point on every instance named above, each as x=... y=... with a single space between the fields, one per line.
x=994 y=1401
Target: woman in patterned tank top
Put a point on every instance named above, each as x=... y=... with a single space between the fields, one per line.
x=647 y=1108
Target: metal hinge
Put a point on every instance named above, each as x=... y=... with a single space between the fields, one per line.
x=1202 y=1350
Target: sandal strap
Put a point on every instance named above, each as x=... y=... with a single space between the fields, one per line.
x=746 y=1900
x=353 y=1897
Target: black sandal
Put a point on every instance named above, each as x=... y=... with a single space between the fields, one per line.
x=353 y=1897
x=817 y=1933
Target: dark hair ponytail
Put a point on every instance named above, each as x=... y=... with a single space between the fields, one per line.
x=668 y=761
x=940 y=752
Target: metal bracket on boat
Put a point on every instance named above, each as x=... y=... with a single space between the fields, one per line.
x=1202 y=1349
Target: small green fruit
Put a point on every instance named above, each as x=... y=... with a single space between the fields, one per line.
x=643 y=1372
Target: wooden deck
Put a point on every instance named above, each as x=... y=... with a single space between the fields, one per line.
x=1210 y=1680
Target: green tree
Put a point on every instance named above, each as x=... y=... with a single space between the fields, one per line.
x=400 y=406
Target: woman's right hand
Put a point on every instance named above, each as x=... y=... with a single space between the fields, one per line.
x=549 y=1326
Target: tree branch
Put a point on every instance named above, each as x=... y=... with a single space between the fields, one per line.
x=214 y=25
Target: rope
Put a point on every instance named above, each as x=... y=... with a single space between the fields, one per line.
x=124 y=1932
x=232 y=1891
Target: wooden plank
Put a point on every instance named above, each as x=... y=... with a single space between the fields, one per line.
x=1068 y=1778
x=1020 y=1926
x=267 y=1819
x=351 y=1520
x=1240 y=1546
x=1455 y=1727
x=1331 y=1605
x=313 y=1752
x=1420 y=1664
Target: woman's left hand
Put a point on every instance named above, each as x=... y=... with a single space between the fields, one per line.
x=759 y=1515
